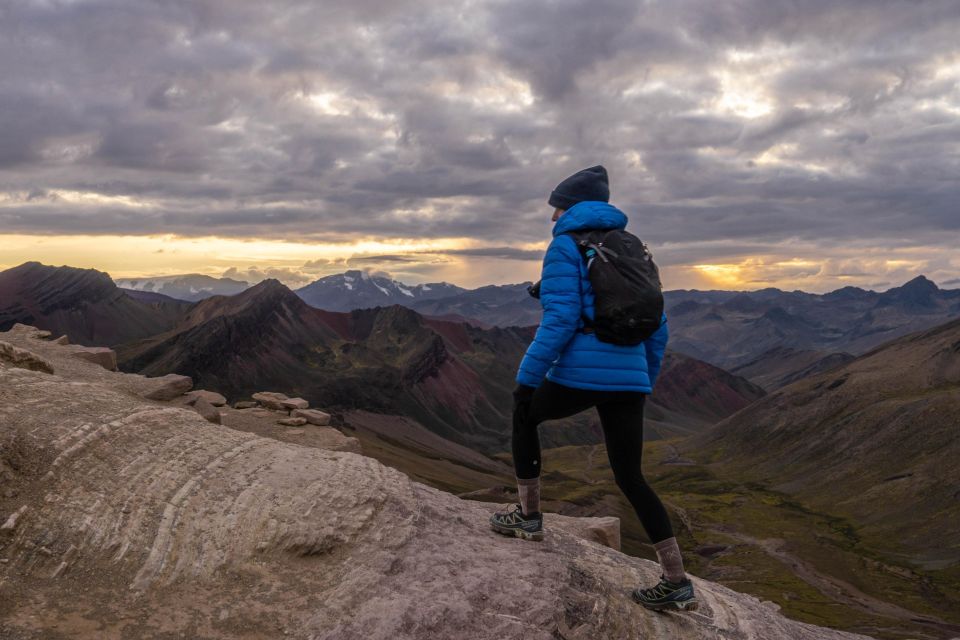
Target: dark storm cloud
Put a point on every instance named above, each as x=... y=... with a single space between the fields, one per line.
x=748 y=122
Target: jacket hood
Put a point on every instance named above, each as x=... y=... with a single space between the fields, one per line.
x=590 y=214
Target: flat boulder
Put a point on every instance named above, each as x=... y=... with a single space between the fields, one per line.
x=245 y=404
x=292 y=422
x=270 y=399
x=212 y=397
x=294 y=403
x=103 y=356
x=319 y=418
x=61 y=340
x=169 y=387
x=23 y=359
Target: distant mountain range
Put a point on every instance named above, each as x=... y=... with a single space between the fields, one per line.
x=360 y=290
x=190 y=287
x=729 y=329
x=451 y=376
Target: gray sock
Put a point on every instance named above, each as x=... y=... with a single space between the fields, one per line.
x=671 y=562
x=529 y=490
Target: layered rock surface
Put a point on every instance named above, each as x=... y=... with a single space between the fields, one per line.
x=134 y=518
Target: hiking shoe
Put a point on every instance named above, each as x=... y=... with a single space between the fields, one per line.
x=515 y=523
x=667 y=595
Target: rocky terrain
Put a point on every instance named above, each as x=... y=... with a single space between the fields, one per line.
x=128 y=517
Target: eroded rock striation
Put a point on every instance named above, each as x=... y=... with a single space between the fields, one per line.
x=135 y=518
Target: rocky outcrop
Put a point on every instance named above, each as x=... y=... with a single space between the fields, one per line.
x=143 y=520
x=103 y=356
x=17 y=357
x=271 y=400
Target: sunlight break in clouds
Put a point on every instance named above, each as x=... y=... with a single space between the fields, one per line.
x=773 y=127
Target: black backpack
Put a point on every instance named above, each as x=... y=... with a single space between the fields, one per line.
x=628 y=296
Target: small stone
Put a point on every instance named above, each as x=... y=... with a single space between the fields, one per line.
x=245 y=404
x=41 y=335
x=169 y=387
x=103 y=356
x=312 y=416
x=270 y=399
x=11 y=522
x=606 y=531
x=62 y=340
x=212 y=397
x=294 y=403
x=292 y=422
x=207 y=410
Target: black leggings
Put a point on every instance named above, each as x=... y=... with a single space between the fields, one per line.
x=621 y=415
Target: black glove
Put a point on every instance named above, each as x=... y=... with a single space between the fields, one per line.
x=522 y=396
x=534 y=289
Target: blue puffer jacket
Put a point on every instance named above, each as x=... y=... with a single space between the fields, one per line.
x=560 y=351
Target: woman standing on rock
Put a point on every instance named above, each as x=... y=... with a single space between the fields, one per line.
x=567 y=369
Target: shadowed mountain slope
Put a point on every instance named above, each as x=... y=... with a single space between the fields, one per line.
x=697 y=388
x=781 y=366
x=84 y=304
x=875 y=439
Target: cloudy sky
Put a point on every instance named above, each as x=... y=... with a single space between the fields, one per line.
x=752 y=143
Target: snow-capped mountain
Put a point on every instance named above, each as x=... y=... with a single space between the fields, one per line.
x=359 y=290
x=190 y=287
